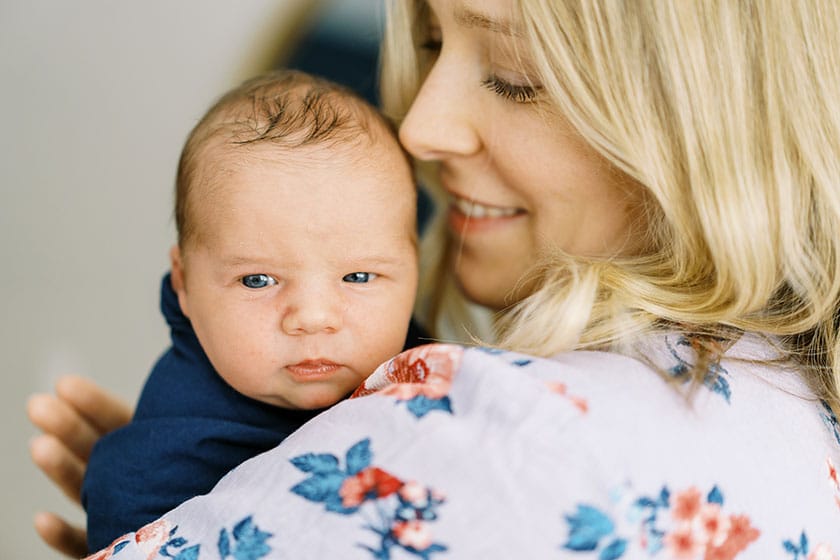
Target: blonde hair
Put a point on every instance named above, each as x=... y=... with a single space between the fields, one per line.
x=728 y=113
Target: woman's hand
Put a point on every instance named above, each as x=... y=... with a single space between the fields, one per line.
x=72 y=420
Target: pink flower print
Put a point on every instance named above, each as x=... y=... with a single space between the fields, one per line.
x=741 y=533
x=414 y=493
x=704 y=531
x=832 y=475
x=414 y=534
x=426 y=370
x=822 y=552
x=687 y=504
x=107 y=553
x=683 y=543
x=556 y=387
x=438 y=496
x=150 y=538
x=714 y=525
x=407 y=391
x=369 y=482
x=834 y=478
x=560 y=388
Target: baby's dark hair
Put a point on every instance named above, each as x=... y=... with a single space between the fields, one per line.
x=285 y=108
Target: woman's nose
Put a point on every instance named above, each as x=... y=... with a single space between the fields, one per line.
x=311 y=312
x=440 y=122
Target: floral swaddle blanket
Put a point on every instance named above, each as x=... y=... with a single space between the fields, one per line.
x=449 y=452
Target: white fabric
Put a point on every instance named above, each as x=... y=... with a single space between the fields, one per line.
x=478 y=454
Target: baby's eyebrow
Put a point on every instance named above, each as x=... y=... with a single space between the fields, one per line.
x=232 y=261
x=471 y=18
x=379 y=260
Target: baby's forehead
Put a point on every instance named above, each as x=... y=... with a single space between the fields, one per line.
x=220 y=157
x=340 y=196
x=348 y=129
x=327 y=175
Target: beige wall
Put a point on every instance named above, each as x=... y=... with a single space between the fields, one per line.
x=96 y=99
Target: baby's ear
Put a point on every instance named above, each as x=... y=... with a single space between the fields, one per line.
x=177 y=278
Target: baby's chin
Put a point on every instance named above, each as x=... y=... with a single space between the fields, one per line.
x=314 y=398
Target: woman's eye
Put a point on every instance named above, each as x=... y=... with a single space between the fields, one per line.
x=432 y=45
x=257 y=281
x=513 y=92
x=359 y=277
x=431 y=35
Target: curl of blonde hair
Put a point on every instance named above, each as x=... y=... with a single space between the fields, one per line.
x=728 y=114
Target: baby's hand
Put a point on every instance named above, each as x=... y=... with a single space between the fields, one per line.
x=72 y=420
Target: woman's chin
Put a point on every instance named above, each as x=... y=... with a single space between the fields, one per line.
x=496 y=296
x=485 y=295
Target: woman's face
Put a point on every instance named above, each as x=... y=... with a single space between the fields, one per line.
x=521 y=181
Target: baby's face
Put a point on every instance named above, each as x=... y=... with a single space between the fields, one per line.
x=304 y=273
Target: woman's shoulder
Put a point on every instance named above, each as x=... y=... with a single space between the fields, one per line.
x=632 y=445
x=639 y=412
x=484 y=453
x=665 y=372
x=644 y=414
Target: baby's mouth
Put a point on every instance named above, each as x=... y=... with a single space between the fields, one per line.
x=314 y=367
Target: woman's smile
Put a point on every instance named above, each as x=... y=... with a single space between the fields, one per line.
x=473 y=209
x=522 y=182
x=468 y=216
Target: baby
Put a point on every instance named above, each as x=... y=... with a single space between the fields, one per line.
x=294 y=277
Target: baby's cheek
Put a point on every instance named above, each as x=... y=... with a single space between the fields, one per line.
x=390 y=342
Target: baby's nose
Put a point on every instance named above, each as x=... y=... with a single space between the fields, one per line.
x=311 y=312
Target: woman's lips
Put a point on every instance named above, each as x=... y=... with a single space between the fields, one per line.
x=469 y=216
x=473 y=209
x=313 y=368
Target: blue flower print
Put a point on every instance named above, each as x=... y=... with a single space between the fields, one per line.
x=587 y=527
x=830 y=420
x=398 y=512
x=517 y=361
x=160 y=537
x=676 y=526
x=249 y=542
x=715 y=379
x=797 y=549
x=800 y=549
x=421 y=405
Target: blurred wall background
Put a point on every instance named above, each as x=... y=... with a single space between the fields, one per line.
x=96 y=100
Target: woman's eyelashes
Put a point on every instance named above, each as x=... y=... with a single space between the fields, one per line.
x=512 y=92
x=359 y=277
x=431 y=45
x=519 y=93
x=257 y=281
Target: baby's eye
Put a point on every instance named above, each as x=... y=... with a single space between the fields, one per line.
x=257 y=281
x=359 y=277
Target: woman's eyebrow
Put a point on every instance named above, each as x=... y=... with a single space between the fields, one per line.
x=471 y=18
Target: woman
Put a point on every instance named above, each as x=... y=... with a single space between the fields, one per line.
x=652 y=180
